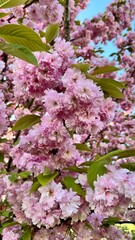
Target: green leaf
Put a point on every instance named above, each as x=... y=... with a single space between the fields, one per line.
x=105 y=140
x=97 y=157
x=35 y=186
x=26 y=122
x=125 y=153
x=130 y=166
x=83 y=67
x=47 y=171
x=88 y=226
x=1 y=157
x=13 y=177
x=108 y=81
x=112 y=54
x=9 y=223
x=11 y=3
x=112 y=91
x=52 y=32
x=105 y=69
x=110 y=221
x=4 y=213
x=3 y=172
x=108 y=157
x=2 y=15
x=19 y=52
x=3 y=2
x=26 y=233
x=42 y=34
x=24 y=174
x=76 y=2
x=88 y=163
x=82 y=147
x=17 y=142
x=77 y=22
x=69 y=182
x=96 y=169
x=76 y=169
x=22 y=35
x=117 y=153
x=2 y=140
x=20 y=20
x=109 y=86
x=44 y=179
x=62 y=2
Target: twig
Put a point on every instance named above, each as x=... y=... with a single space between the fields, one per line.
x=10 y=18
x=87 y=138
x=5 y=59
x=29 y=4
x=9 y=164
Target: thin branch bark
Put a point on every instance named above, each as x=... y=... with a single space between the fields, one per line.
x=9 y=164
x=29 y=4
x=87 y=138
x=67 y=20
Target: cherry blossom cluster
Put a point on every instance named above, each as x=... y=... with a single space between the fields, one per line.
x=110 y=189
x=107 y=26
x=46 y=207
x=47 y=75
x=78 y=232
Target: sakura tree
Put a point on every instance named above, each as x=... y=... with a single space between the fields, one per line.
x=67 y=124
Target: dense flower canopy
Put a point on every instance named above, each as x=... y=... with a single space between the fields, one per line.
x=67 y=125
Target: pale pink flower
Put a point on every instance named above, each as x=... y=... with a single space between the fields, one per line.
x=69 y=204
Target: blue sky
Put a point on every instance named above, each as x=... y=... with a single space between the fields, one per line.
x=95 y=7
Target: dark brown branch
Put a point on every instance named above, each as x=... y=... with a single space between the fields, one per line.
x=87 y=138
x=10 y=18
x=67 y=20
x=133 y=73
x=9 y=164
x=17 y=136
x=131 y=208
x=29 y=4
x=5 y=59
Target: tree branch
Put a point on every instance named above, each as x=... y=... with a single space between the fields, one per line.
x=29 y=4
x=67 y=20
